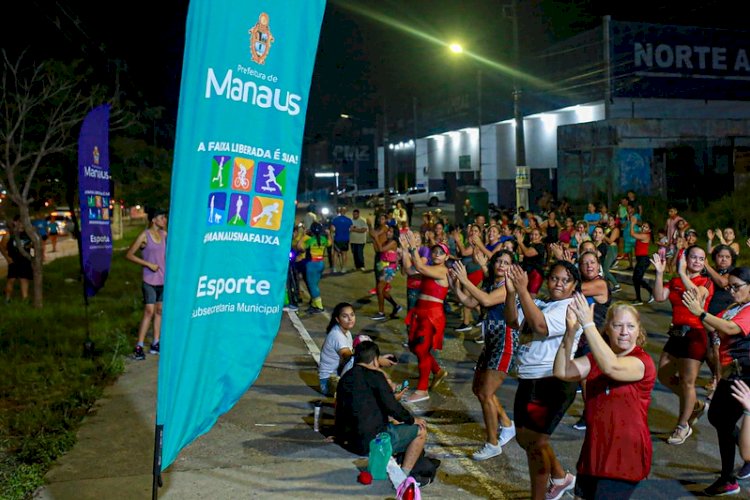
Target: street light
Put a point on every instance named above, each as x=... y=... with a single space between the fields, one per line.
x=336 y=192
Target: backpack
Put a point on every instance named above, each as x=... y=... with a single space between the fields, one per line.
x=424 y=470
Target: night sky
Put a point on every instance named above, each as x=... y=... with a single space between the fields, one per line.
x=371 y=52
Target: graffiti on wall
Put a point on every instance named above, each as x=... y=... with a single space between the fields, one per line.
x=634 y=166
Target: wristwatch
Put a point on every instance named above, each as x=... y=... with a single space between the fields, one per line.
x=702 y=317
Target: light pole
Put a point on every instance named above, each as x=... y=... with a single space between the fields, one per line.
x=523 y=180
x=456 y=48
x=356 y=151
x=336 y=190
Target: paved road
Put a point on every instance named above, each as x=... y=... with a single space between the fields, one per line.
x=455 y=415
x=265 y=446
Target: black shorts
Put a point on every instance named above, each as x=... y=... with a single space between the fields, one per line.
x=20 y=269
x=541 y=403
x=592 y=487
x=341 y=246
x=152 y=293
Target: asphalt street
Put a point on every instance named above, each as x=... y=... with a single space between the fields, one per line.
x=265 y=446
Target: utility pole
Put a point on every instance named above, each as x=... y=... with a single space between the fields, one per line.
x=479 y=125
x=416 y=174
x=386 y=162
x=523 y=180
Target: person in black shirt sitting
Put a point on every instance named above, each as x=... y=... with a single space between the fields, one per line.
x=367 y=406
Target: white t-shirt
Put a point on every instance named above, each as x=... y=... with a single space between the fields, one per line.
x=537 y=357
x=357 y=237
x=329 y=354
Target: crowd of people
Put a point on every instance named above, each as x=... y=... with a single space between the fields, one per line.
x=552 y=314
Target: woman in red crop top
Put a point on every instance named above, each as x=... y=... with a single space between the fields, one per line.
x=642 y=242
x=687 y=346
x=426 y=321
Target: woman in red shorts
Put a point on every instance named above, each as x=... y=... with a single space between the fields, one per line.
x=426 y=321
x=534 y=257
x=687 y=346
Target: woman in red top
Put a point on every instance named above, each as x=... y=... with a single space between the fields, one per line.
x=687 y=346
x=426 y=320
x=620 y=376
x=732 y=326
x=642 y=242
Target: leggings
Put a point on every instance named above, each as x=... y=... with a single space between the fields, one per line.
x=609 y=259
x=641 y=264
x=425 y=333
x=313 y=272
x=723 y=413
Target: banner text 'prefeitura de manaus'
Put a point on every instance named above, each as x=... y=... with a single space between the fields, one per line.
x=243 y=98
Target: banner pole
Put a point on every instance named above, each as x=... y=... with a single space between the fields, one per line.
x=157 y=481
x=88 y=344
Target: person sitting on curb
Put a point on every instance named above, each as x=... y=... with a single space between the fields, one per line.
x=366 y=406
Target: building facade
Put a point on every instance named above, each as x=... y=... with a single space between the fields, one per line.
x=663 y=110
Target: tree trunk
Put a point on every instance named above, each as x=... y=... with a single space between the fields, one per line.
x=36 y=266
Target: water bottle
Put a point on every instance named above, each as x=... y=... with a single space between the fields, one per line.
x=380 y=453
x=316 y=419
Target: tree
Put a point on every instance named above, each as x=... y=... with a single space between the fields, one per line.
x=43 y=106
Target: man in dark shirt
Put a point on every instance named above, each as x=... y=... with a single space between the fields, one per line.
x=364 y=403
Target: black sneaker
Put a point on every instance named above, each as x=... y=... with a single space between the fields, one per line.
x=744 y=471
x=154 y=348
x=463 y=327
x=138 y=354
x=395 y=312
x=722 y=487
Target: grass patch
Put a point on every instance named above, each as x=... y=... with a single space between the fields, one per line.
x=47 y=386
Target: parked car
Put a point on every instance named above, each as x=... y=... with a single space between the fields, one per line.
x=63 y=217
x=422 y=195
x=377 y=198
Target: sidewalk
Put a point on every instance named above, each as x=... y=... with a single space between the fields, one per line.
x=264 y=447
x=66 y=247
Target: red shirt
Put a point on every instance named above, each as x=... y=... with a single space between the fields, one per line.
x=736 y=346
x=641 y=247
x=618 y=442
x=681 y=315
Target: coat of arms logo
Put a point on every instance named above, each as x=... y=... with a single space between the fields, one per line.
x=260 y=39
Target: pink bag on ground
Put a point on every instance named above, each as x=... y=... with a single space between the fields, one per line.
x=408 y=490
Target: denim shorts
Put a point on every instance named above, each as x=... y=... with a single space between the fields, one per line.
x=401 y=436
x=152 y=293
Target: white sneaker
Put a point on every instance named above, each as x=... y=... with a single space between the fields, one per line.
x=488 y=451
x=556 y=491
x=506 y=434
